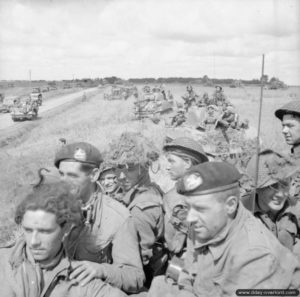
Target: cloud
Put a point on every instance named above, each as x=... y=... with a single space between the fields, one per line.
x=146 y=38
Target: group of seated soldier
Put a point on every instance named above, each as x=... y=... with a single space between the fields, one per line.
x=103 y=228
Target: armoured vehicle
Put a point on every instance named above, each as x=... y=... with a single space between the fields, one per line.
x=26 y=109
x=36 y=95
x=6 y=103
x=120 y=92
x=152 y=104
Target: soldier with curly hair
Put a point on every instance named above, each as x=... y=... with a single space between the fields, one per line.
x=38 y=263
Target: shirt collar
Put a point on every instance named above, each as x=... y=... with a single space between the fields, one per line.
x=218 y=244
x=296 y=151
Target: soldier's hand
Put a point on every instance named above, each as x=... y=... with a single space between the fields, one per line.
x=84 y=271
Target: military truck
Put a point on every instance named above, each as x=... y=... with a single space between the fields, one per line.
x=26 y=109
x=116 y=93
x=36 y=95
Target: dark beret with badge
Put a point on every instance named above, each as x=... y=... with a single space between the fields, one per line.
x=207 y=178
x=292 y=107
x=81 y=152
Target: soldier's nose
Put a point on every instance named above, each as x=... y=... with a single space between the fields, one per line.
x=191 y=216
x=122 y=176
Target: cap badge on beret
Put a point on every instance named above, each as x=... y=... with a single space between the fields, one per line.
x=192 y=181
x=80 y=154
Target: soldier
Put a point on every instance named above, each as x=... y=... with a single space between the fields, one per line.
x=144 y=200
x=38 y=263
x=179 y=118
x=229 y=118
x=272 y=204
x=189 y=98
x=98 y=246
x=289 y=114
x=182 y=153
x=231 y=250
x=109 y=181
x=219 y=97
x=210 y=117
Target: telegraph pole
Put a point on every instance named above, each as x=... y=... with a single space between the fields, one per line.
x=30 y=79
x=258 y=129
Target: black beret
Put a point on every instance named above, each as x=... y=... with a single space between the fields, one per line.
x=292 y=107
x=82 y=152
x=208 y=177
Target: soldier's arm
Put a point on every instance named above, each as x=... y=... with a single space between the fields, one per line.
x=256 y=268
x=147 y=220
x=98 y=288
x=126 y=271
x=176 y=229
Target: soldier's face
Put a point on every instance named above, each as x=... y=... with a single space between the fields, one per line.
x=43 y=235
x=291 y=129
x=272 y=198
x=176 y=166
x=109 y=181
x=207 y=216
x=71 y=173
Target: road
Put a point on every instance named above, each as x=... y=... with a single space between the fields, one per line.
x=50 y=104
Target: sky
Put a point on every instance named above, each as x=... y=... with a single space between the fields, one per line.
x=66 y=39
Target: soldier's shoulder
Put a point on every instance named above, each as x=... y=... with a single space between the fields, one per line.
x=147 y=197
x=115 y=207
x=256 y=235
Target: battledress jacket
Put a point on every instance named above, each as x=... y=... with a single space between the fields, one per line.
x=108 y=239
x=145 y=205
x=284 y=226
x=245 y=256
x=21 y=277
x=175 y=224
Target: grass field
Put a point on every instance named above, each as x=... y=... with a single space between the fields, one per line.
x=99 y=122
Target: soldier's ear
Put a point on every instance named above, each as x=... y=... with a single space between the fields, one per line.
x=95 y=174
x=231 y=205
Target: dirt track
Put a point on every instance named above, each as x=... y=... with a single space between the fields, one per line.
x=7 y=123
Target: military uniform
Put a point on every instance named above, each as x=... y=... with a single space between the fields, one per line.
x=145 y=205
x=107 y=237
x=21 y=277
x=245 y=255
x=176 y=227
x=275 y=168
x=293 y=108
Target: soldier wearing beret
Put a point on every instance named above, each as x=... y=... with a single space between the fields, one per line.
x=230 y=248
x=182 y=153
x=105 y=247
x=272 y=204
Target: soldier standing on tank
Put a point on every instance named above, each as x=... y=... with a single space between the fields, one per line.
x=182 y=153
x=219 y=97
x=106 y=248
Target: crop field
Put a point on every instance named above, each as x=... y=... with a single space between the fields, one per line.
x=99 y=121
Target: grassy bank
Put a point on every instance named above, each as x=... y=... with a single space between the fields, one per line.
x=98 y=122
